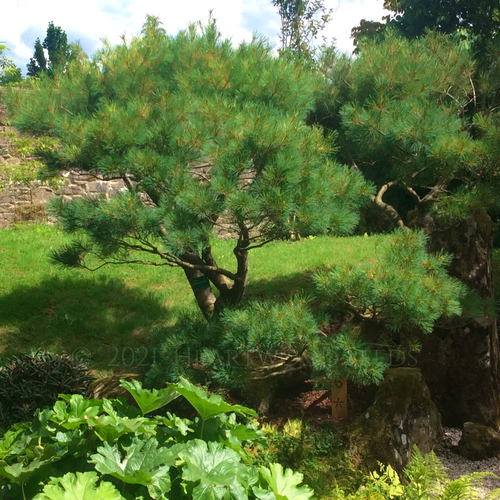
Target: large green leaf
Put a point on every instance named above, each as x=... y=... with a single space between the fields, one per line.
x=218 y=470
x=143 y=463
x=180 y=425
x=149 y=400
x=19 y=472
x=208 y=406
x=75 y=410
x=11 y=442
x=284 y=485
x=81 y=486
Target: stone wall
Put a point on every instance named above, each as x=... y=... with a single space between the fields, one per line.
x=19 y=203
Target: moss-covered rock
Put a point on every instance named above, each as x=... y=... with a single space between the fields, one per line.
x=461 y=359
x=402 y=415
x=479 y=442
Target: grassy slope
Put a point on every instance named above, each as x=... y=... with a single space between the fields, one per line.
x=108 y=314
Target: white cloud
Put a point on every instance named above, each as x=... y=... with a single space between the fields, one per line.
x=22 y=21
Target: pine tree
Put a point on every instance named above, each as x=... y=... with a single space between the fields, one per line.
x=402 y=114
x=203 y=135
x=375 y=311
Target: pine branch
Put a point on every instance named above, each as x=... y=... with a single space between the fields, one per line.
x=259 y=245
x=144 y=262
x=292 y=363
x=434 y=193
x=393 y=213
x=414 y=194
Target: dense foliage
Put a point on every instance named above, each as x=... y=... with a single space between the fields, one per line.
x=476 y=20
x=31 y=381
x=58 y=51
x=9 y=72
x=424 y=479
x=413 y=17
x=105 y=449
x=203 y=135
x=401 y=113
x=403 y=291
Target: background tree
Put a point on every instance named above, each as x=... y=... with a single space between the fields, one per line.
x=38 y=63
x=367 y=29
x=56 y=44
x=9 y=73
x=401 y=112
x=203 y=135
x=301 y=23
x=412 y=17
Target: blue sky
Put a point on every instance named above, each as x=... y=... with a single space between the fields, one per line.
x=89 y=21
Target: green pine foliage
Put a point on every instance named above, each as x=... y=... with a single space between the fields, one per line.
x=402 y=292
x=213 y=135
x=404 y=288
x=403 y=113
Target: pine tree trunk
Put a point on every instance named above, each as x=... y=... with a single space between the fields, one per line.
x=460 y=361
x=203 y=294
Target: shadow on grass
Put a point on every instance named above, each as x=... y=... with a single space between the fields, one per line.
x=101 y=321
x=281 y=287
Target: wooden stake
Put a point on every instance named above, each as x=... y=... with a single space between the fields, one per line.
x=339 y=397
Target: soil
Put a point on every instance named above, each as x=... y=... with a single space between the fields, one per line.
x=309 y=403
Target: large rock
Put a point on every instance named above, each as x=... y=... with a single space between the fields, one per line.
x=460 y=360
x=401 y=416
x=479 y=442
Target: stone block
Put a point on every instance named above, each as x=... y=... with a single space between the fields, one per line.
x=479 y=442
x=402 y=415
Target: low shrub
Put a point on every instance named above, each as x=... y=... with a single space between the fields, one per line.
x=106 y=449
x=34 y=380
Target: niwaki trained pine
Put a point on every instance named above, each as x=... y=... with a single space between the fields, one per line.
x=207 y=134
x=372 y=311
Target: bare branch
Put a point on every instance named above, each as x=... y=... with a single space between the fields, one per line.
x=259 y=245
x=391 y=211
x=413 y=193
x=473 y=89
x=143 y=262
x=357 y=312
x=434 y=193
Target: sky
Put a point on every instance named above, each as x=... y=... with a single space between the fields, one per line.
x=90 y=21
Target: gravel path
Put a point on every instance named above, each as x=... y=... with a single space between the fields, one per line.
x=457 y=466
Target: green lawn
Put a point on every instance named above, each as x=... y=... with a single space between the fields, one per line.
x=106 y=316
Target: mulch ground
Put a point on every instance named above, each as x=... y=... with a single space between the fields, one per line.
x=313 y=405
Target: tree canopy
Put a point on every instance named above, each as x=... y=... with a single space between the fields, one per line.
x=9 y=73
x=401 y=112
x=203 y=135
x=413 y=17
x=301 y=23
x=56 y=44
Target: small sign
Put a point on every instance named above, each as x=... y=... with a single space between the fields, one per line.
x=201 y=283
x=339 y=397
